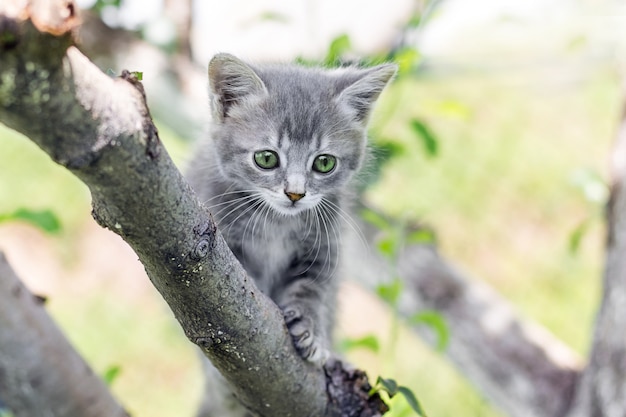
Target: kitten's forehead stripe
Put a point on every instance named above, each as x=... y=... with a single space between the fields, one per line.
x=299 y=126
x=284 y=130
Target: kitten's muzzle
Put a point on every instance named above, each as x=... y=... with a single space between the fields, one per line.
x=294 y=196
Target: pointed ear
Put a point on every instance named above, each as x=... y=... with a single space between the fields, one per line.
x=231 y=81
x=361 y=89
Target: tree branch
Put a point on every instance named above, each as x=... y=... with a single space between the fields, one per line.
x=602 y=390
x=30 y=347
x=100 y=129
x=518 y=365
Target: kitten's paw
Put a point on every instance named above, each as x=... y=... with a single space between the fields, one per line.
x=308 y=344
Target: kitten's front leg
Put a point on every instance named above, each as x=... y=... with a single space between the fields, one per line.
x=308 y=306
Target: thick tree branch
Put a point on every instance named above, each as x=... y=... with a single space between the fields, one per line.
x=517 y=364
x=100 y=129
x=31 y=346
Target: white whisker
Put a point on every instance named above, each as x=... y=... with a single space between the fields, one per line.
x=345 y=216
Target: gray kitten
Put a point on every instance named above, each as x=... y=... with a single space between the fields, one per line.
x=285 y=142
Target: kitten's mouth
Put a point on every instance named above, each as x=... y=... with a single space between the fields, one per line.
x=290 y=206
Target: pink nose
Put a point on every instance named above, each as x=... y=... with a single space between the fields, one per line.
x=294 y=196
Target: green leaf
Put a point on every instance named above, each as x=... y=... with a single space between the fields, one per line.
x=111 y=374
x=339 y=46
x=421 y=237
x=390 y=292
x=369 y=342
x=429 y=141
x=101 y=4
x=406 y=58
x=412 y=400
x=389 y=385
x=592 y=185
x=387 y=149
x=437 y=323
x=577 y=235
x=415 y=21
x=137 y=74
x=302 y=61
x=46 y=220
x=387 y=246
x=376 y=219
x=274 y=17
x=452 y=109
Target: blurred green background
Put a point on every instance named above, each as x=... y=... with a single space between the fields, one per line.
x=511 y=175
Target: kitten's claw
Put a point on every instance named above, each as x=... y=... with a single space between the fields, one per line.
x=307 y=343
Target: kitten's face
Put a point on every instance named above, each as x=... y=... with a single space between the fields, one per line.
x=290 y=166
x=291 y=135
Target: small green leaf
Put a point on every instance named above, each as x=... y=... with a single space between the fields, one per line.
x=407 y=59
x=431 y=145
x=46 y=220
x=102 y=4
x=415 y=21
x=339 y=46
x=437 y=323
x=421 y=237
x=387 y=246
x=452 y=109
x=376 y=219
x=390 y=292
x=386 y=149
x=137 y=74
x=273 y=16
x=389 y=385
x=591 y=184
x=300 y=60
x=577 y=235
x=369 y=342
x=412 y=400
x=111 y=374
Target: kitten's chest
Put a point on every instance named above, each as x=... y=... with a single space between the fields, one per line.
x=267 y=251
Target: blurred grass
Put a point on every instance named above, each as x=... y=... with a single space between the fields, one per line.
x=498 y=194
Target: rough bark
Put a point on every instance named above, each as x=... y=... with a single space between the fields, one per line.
x=30 y=346
x=602 y=390
x=100 y=129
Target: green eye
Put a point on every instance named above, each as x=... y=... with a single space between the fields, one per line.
x=266 y=159
x=324 y=163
